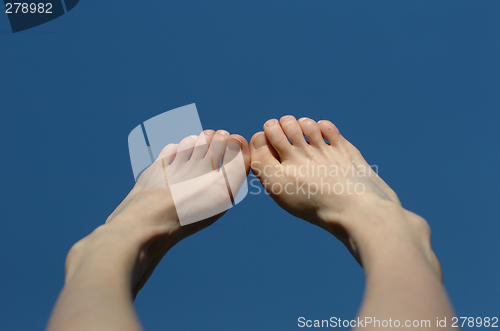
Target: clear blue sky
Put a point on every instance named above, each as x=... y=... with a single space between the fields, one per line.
x=415 y=85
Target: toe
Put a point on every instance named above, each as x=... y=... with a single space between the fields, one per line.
x=237 y=148
x=262 y=155
x=168 y=153
x=312 y=132
x=330 y=132
x=293 y=131
x=277 y=138
x=202 y=143
x=218 y=147
x=236 y=164
x=185 y=149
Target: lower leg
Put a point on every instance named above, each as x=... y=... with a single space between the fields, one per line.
x=403 y=278
x=106 y=269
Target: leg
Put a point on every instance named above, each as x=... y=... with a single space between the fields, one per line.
x=329 y=184
x=106 y=269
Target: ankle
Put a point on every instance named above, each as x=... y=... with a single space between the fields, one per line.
x=107 y=250
x=379 y=228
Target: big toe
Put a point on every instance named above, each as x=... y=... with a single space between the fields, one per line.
x=237 y=155
x=236 y=163
x=262 y=155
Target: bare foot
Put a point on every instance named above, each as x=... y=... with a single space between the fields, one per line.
x=194 y=179
x=203 y=174
x=333 y=175
x=328 y=183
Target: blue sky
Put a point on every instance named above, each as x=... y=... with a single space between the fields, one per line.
x=414 y=85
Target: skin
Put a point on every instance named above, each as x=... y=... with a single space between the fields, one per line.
x=106 y=269
x=403 y=277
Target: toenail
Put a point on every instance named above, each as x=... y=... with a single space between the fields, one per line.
x=259 y=142
x=287 y=118
x=303 y=119
x=223 y=132
x=271 y=122
x=234 y=145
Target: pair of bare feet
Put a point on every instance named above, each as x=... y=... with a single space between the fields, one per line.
x=323 y=180
x=308 y=168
